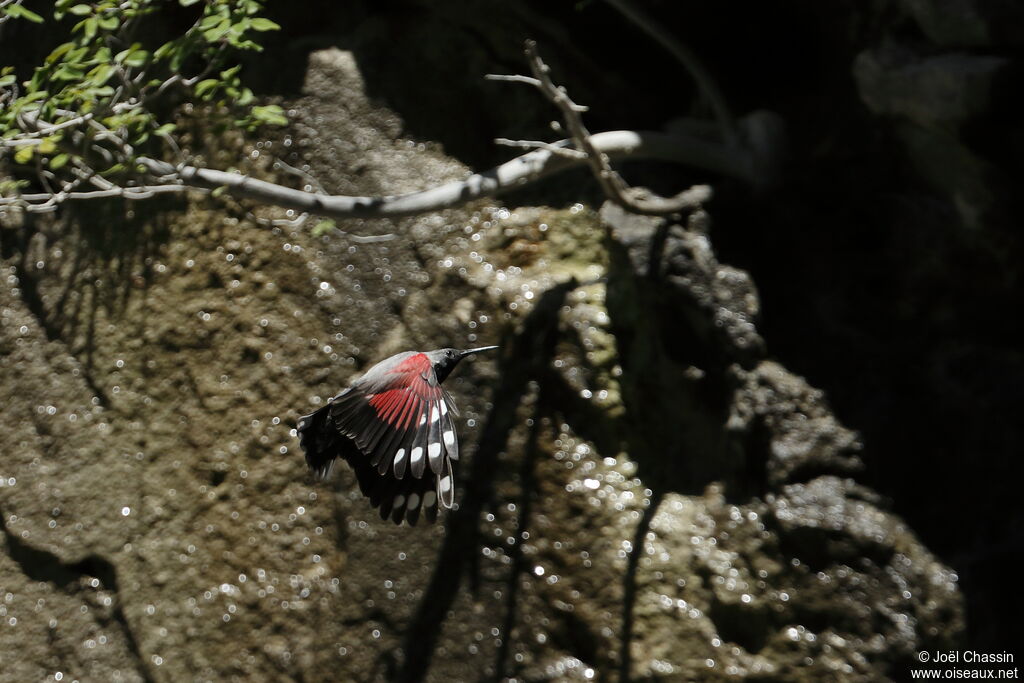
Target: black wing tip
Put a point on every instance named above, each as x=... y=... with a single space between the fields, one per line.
x=319 y=443
x=323 y=442
x=397 y=509
x=322 y=472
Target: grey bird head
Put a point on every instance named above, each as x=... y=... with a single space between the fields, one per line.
x=445 y=360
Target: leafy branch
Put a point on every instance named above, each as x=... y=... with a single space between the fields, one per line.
x=90 y=113
x=97 y=120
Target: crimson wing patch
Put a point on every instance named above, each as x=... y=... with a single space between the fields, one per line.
x=404 y=441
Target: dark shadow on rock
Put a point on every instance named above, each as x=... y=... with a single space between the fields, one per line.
x=517 y=564
x=629 y=585
x=681 y=329
x=42 y=565
x=523 y=359
x=113 y=250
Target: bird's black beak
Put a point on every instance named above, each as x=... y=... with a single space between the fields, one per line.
x=469 y=352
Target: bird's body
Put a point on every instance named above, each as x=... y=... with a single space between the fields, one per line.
x=393 y=426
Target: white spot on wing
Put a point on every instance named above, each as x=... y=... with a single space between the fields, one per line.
x=449 y=437
x=434 y=415
x=423 y=419
x=444 y=408
x=414 y=501
x=417 y=454
x=429 y=498
x=434 y=450
x=446 y=484
x=399 y=456
x=399 y=501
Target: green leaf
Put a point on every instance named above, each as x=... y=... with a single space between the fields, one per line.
x=214 y=34
x=323 y=227
x=10 y=187
x=7 y=80
x=188 y=3
x=59 y=52
x=48 y=145
x=80 y=10
x=33 y=96
x=206 y=86
x=211 y=21
x=98 y=75
x=164 y=50
x=77 y=54
x=137 y=58
x=261 y=24
x=165 y=129
x=24 y=154
x=20 y=11
x=58 y=162
x=67 y=72
x=89 y=27
x=178 y=57
x=270 y=114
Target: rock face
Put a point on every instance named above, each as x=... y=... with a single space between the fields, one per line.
x=649 y=494
x=646 y=493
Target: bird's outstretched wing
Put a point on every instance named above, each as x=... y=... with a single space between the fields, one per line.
x=395 y=430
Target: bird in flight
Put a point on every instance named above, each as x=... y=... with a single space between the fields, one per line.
x=393 y=426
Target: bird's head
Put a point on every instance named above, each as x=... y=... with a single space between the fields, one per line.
x=445 y=360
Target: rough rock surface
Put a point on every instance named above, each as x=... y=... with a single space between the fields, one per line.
x=941 y=91
x=670 y=503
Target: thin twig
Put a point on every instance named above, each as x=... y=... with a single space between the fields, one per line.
x=44 y=202
x=538 y=144
x=512 y=78
x=363 y=239
x=299 y=173
x=637 y=200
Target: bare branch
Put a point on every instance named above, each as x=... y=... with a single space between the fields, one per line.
x=545 y=159
x=513 y=78
x=637 y=200
x=512 y=175
x=537 y=144
x=44 y=202
x=53 y=128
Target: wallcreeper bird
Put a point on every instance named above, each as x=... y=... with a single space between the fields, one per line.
x=394 y=427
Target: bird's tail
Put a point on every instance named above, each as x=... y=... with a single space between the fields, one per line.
x=320 y=441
